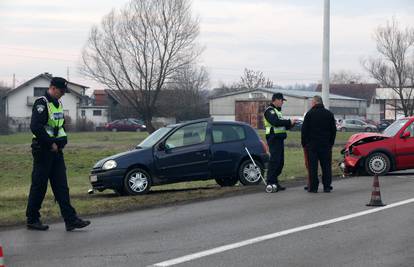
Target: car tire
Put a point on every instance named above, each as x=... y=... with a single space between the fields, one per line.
x=377 y=164
x=368 y=130
x=114 y=130
x=343 y=129
x=137 y=182
x=226 y=181
x=248 y=173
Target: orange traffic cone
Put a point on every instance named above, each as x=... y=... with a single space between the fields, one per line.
x=376 y=194
x=1 y=257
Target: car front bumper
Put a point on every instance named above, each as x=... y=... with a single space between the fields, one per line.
x=349 y=164
x=111 y=179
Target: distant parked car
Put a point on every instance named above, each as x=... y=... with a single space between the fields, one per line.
x=354 y=125
x=384 y=124
x=196 y=150
x=297 y=126
x=125 y=125
x=378 y=154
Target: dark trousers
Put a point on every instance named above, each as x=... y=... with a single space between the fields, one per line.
x=277 y=159
x=49 y=165
x=324 y=156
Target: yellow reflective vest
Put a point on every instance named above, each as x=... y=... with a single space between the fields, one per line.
x=268 y=126
x=54 y=126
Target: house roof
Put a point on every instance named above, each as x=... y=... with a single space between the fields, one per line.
x=358 y=90
x=288 y=92
x=49 y=77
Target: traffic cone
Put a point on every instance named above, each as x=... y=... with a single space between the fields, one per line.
x=1 y=257
x=376 y=194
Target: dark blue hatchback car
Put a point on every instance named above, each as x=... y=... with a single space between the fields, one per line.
x=196 y=150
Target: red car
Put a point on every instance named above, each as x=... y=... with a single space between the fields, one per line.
x=125 y=125
x=378 y=154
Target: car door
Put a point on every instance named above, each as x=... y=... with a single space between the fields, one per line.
x=227 y=146
x=359 y=126
x=405 y=148
x=184 y=155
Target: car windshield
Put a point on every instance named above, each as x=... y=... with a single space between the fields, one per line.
x=395 y=127
x=154 y=137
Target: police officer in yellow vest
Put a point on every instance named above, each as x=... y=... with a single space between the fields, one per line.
x=49 y=139
x=276 y=128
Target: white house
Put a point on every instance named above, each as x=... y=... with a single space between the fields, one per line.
x=19 y=101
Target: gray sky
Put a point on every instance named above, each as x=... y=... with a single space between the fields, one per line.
x=282 y=38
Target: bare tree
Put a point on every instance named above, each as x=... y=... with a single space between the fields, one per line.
x=254 y=79
x=137 y=50
x=189 y=100
x=394 y=67
x=344 y=77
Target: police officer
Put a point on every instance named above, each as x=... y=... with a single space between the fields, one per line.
x=276 y=128
x=49 y=139
x=318 y=137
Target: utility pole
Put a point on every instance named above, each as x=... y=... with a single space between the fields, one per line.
x=67 y=73
x=325 y=57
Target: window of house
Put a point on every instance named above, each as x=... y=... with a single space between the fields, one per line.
x=39 y=91
x=83 y=113
x=228 y=133
x=97 y=112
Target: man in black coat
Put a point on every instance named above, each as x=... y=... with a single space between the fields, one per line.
x=318 y=137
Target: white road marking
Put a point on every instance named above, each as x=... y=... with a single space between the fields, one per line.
x=255 y=240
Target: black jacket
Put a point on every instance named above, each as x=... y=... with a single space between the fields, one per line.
x=39 y=120
x=276 y=122
x=318 y=128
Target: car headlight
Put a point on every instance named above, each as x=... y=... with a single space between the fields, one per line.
x=108 y=165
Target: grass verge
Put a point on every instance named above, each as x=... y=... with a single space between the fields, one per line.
x=84 y=149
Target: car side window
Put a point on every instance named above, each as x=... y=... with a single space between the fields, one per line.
x=410 y=129
x=188 y=135
x=227 y=133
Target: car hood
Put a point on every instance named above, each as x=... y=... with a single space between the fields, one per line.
x=119 y=156
x=362 y=138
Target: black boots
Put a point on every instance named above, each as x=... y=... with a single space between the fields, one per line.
x=76 y=224
x=37 y=225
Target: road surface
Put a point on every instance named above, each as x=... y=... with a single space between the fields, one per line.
x=290 y=228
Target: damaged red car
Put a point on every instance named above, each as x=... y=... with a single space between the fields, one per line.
x=378 y=154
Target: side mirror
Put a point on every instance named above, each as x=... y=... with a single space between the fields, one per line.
x=161 y=146
x=406 y=135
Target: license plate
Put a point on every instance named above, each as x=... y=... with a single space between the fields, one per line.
x=93 y=178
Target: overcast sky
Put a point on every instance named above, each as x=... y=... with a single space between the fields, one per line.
x=282 y=38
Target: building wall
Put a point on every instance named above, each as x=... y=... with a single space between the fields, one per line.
x=224 y=117
x=98 y=120
x=223 y=108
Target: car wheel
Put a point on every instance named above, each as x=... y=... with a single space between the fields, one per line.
x=368 y=130
x=249 y=174
x=114 y=129
x=343 y=129
x=229 y=181
x=137 y=182
x=377 y=164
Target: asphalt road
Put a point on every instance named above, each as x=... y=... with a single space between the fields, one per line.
x=288 y=228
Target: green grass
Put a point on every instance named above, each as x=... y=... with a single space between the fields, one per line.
x=84 y=149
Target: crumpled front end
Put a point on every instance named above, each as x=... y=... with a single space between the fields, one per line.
x=355 y=150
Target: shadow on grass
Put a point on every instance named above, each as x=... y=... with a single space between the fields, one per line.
x=156 y=192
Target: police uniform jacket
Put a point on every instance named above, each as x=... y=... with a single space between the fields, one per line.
x=275 y=121
x=38 y=121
